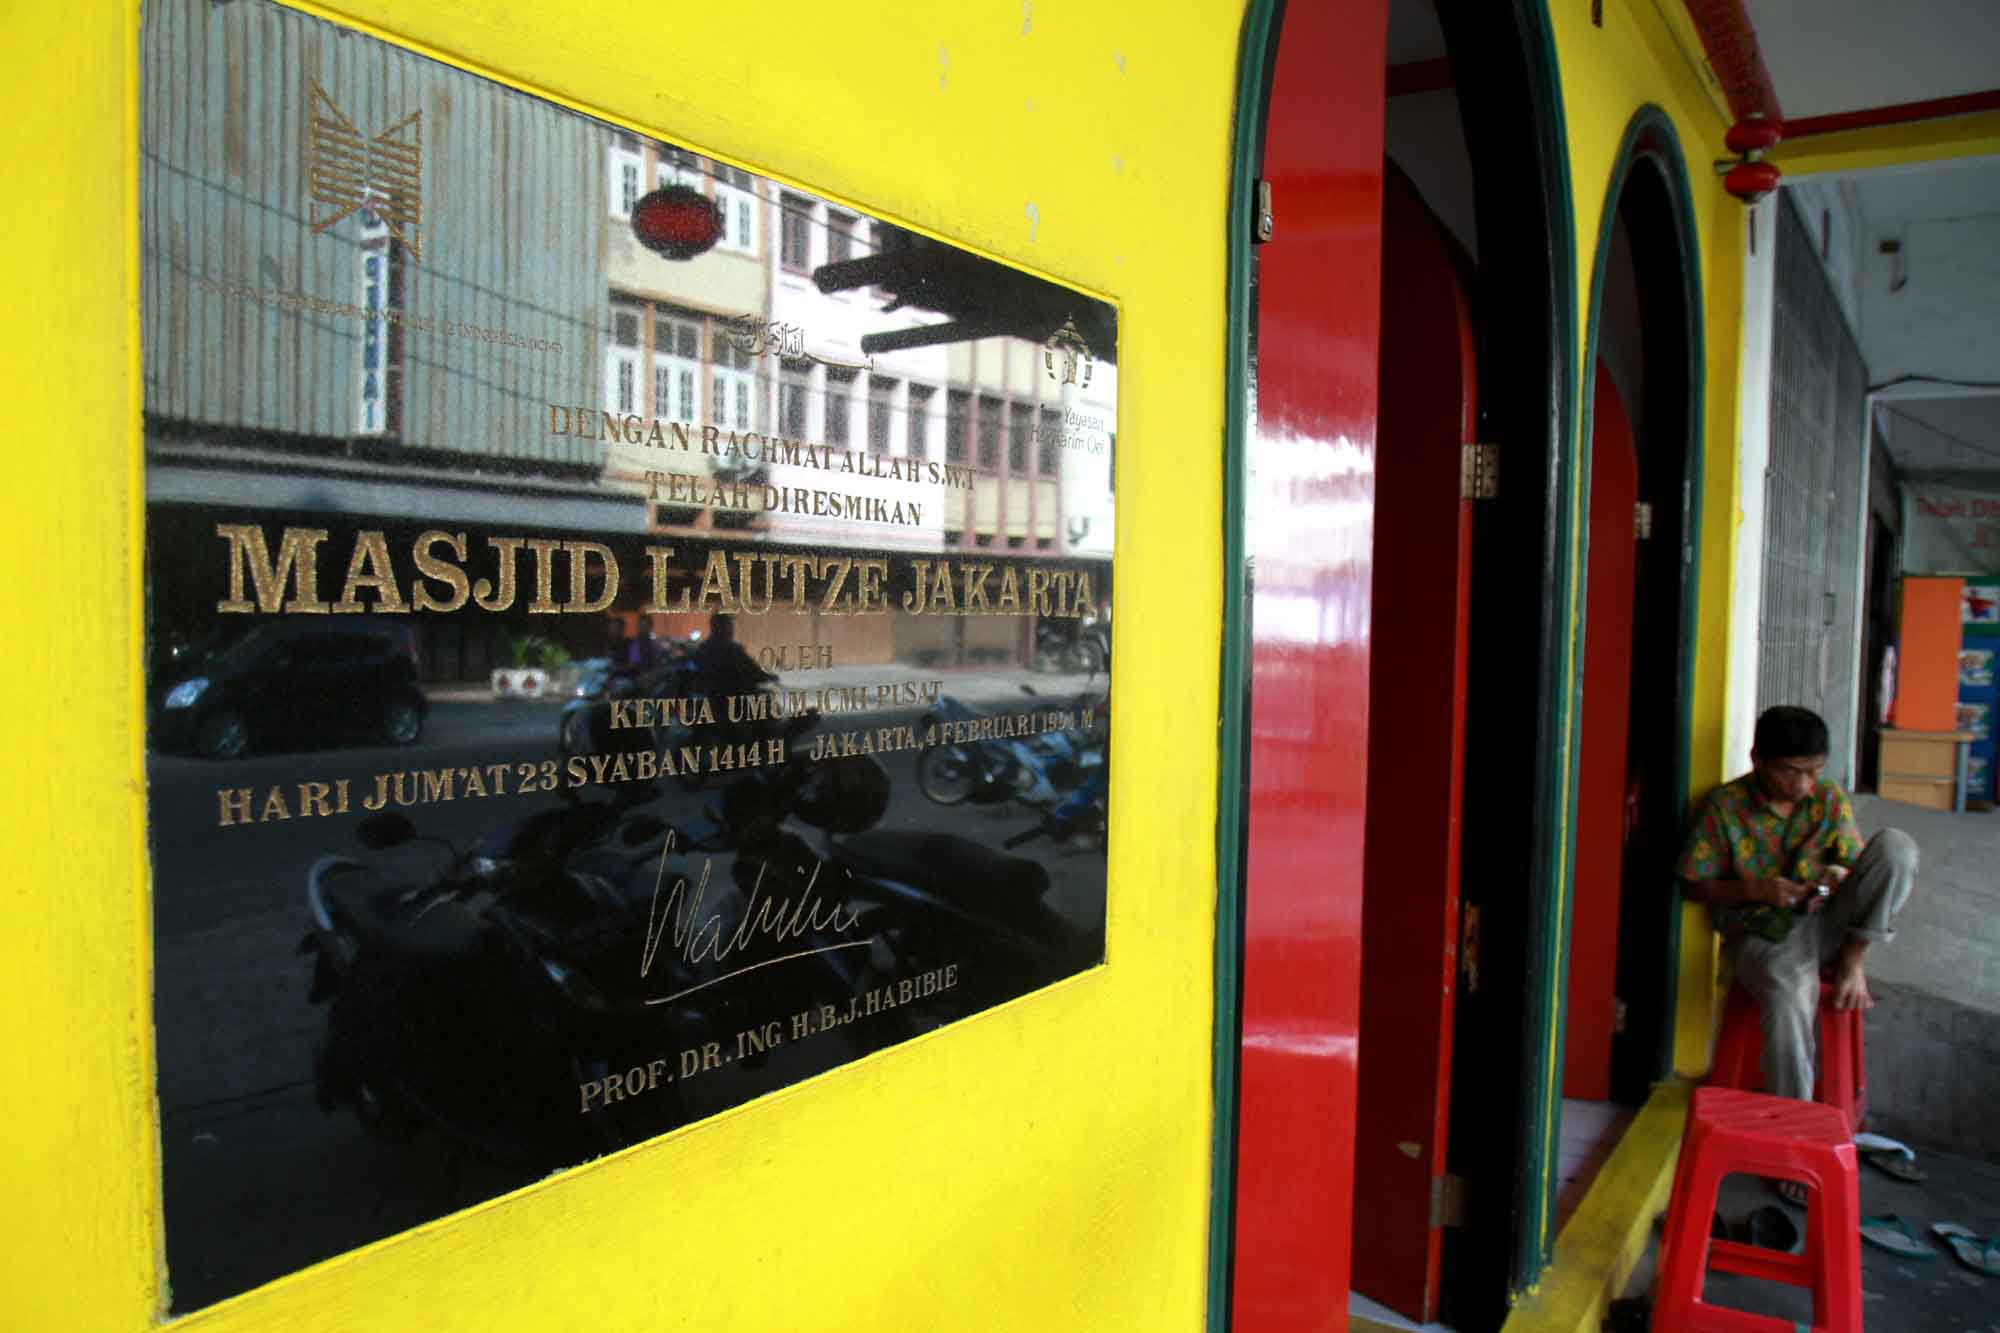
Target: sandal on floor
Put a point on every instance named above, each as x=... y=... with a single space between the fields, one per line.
x=1770 y=1228
x=1979 y=1253
x=1890 y=1232
x=1898 y=1162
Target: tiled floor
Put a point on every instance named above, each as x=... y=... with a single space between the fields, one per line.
x=1590 y=1130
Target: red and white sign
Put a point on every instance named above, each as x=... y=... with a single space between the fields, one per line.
x=1951 y=531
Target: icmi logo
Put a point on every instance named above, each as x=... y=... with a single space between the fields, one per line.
x=1067 y=356
x=381 y=178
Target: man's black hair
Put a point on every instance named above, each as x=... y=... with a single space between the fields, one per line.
x=1786 y=732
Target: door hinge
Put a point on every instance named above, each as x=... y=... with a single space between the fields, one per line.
x=1642 y=519
x=1468 y=949
x=1265 y=221
x=1448 y=1200
x=1479 y=472
x=1617 y=1017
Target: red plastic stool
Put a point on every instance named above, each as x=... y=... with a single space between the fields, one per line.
x=1730 y=1131
x=1843 y=1053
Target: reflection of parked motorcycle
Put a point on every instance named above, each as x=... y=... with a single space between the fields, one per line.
x=669 y=677
x=1034 y=770
x=499 y=1003
x=674 y=718
x=480 y=1004
x=926 y=901
x=1078 y=817
x=1079 y=646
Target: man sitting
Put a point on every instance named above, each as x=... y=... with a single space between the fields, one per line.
x=1778 y=860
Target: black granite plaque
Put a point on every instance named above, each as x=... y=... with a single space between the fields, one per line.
x=625 y=634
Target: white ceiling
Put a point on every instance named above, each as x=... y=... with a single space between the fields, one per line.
x=1931 y=311
x=1940 y=436
x=1934 y=308
x=1829 y=56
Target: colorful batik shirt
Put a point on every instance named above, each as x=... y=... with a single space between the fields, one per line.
x=1738 y=835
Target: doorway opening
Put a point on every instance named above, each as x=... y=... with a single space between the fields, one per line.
x=1462 y=897
x=1643 y=452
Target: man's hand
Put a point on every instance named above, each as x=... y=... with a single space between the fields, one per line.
x=1776 y=892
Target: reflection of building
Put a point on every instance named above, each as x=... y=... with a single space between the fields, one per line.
x=313 y=362
x=690 y=341
x=335 y=369
x=352 y=319
x=748 y=339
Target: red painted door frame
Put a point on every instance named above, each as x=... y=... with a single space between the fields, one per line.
x=1311 y=537
x=1416 y=755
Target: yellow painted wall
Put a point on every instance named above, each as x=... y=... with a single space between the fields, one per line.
x=1040 y=1167
x=1638 y=58
x=1948 y=139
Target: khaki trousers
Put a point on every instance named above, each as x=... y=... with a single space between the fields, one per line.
x=1783 y=975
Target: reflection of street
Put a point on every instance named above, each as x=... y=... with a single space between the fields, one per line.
x=258 y=1180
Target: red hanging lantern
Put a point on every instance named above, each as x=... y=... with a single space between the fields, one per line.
x=1753 y=138
x=677 y=222
x=1751 y=177
x=1751 y=181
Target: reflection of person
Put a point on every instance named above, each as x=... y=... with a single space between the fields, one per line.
x=1776 y=857
x=643 y=650
x=721 y=666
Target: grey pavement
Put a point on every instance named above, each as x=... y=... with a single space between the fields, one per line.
x=1935 y=1295
x=1934 y=1033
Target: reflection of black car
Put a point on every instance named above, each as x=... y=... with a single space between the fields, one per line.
x=296 y=679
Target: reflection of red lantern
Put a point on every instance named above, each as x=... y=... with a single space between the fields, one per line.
x=677 y=222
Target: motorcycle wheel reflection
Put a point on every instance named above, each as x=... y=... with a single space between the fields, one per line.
x=948 y=774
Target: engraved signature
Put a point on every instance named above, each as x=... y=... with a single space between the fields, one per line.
x=709 y=939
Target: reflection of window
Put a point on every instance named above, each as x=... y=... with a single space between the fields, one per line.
x=1046 y=445
x=676 y=365
x=839 y=237
x=879 y=234
x=621 y=361
x=957 y=414
x=989 y=432
x=1020 y=419
x=678 y=167
x=919 y=420
x=792 y=383
x=839 y=404
x=627 y=169
x=732 y=384
x=795 y=238
x=881 y=393
x=734 y=194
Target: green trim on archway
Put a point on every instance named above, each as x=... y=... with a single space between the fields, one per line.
x=1651 y=137
x=1256 y=55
